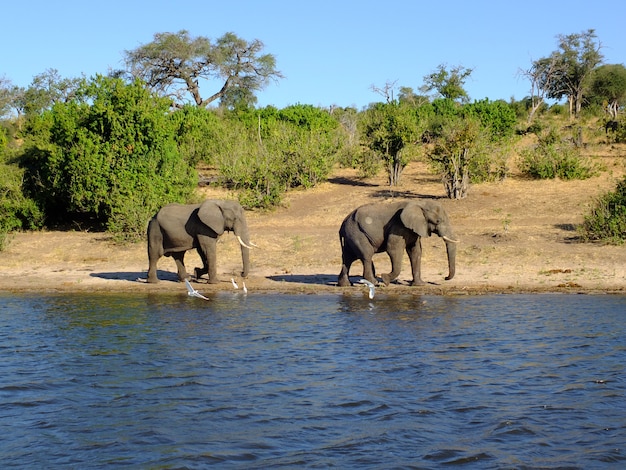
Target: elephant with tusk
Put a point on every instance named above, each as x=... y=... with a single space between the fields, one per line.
x=177 y=228
x=393 y=227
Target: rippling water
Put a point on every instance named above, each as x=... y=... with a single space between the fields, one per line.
x=292 y=381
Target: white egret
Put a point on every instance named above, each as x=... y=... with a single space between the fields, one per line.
x=192 y=292
x=370 y=285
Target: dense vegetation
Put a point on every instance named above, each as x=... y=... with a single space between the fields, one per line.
x=108 y=151
x=607 y=219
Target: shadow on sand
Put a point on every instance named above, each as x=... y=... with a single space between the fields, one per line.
x=135 y=276
x=325 y=279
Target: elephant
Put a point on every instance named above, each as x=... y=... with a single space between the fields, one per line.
x=612 y=126
x=393 y=227
x=177 y=228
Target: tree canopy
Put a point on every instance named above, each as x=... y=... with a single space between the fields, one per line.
x=448 y=83
x=175 y=65
x=106 y=158
x=573 y=63
x=608 y=87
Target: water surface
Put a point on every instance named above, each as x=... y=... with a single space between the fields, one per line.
x=313 y=381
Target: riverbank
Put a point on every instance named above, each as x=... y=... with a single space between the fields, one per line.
x=517 y=235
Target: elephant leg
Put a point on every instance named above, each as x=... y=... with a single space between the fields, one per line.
x=179 y=258
x=396 y=267
x=369 y=271
x=415 y=255
x=207 y=249
x=155 y=249
x=199 y=272
x=395 y=250
x=347 y=258
x=153 y=258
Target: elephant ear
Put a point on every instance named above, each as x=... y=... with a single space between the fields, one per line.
x=413 y=218
x=211 y=215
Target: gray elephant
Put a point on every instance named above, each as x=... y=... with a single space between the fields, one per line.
x=393 y=227
x=177 y=228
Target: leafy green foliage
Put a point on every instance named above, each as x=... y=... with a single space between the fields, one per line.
x=17 y=212
x=388 y=129
x=448 y=83
x=608 y=88
x=572 y=65
x=106 y=158
x=552 y=158
x=496 y=116
x=174 y=64
x=199 y=134
x=607 y=219
x=458 y=150
x=437 y=115
x=263 y=153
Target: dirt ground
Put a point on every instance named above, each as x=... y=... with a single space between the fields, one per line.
x=515 y=236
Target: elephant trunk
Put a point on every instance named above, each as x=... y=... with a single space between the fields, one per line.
x=241 y=232
x=451 y=249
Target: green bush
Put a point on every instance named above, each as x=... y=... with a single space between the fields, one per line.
x=106 y=159
x=459 y=151
x=199 y=134
x=288 y=157
x=490 y=162
x=607 y=219
x=17 y=212
x=267 y=158
x=551 y=158
x=496 y=116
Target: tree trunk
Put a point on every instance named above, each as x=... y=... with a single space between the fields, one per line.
x=395 y=170
x=456 y=181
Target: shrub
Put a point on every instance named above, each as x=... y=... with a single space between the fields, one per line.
x=198 y=133
x=490 y=163
x=496 y=116
x=389 y=130
x=17 y=212
x=551 y=158
x=106 y=159
x=460 y=153
x=607 y=219
x=288 y=156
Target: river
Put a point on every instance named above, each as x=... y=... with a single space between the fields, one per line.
x=312 y=381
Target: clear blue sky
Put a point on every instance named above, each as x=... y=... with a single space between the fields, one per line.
x=330 y=52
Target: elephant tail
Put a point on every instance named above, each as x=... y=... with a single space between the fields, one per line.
x=342 y=235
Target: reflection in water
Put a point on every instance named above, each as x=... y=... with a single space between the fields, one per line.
x=263 y=381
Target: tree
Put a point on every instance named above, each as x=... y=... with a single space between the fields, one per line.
x=6 y=96
x=388 y=128
x=106 y=158
x=46 y=89
x=386 y=91
x=407 y=95
x=448 y=83
x=175 y=64
x=577 y=57
x=454 y=152
x=608 y=86
x=543 y=74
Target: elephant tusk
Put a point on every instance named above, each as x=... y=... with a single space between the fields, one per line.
x=450 y=239
x=242 y=242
